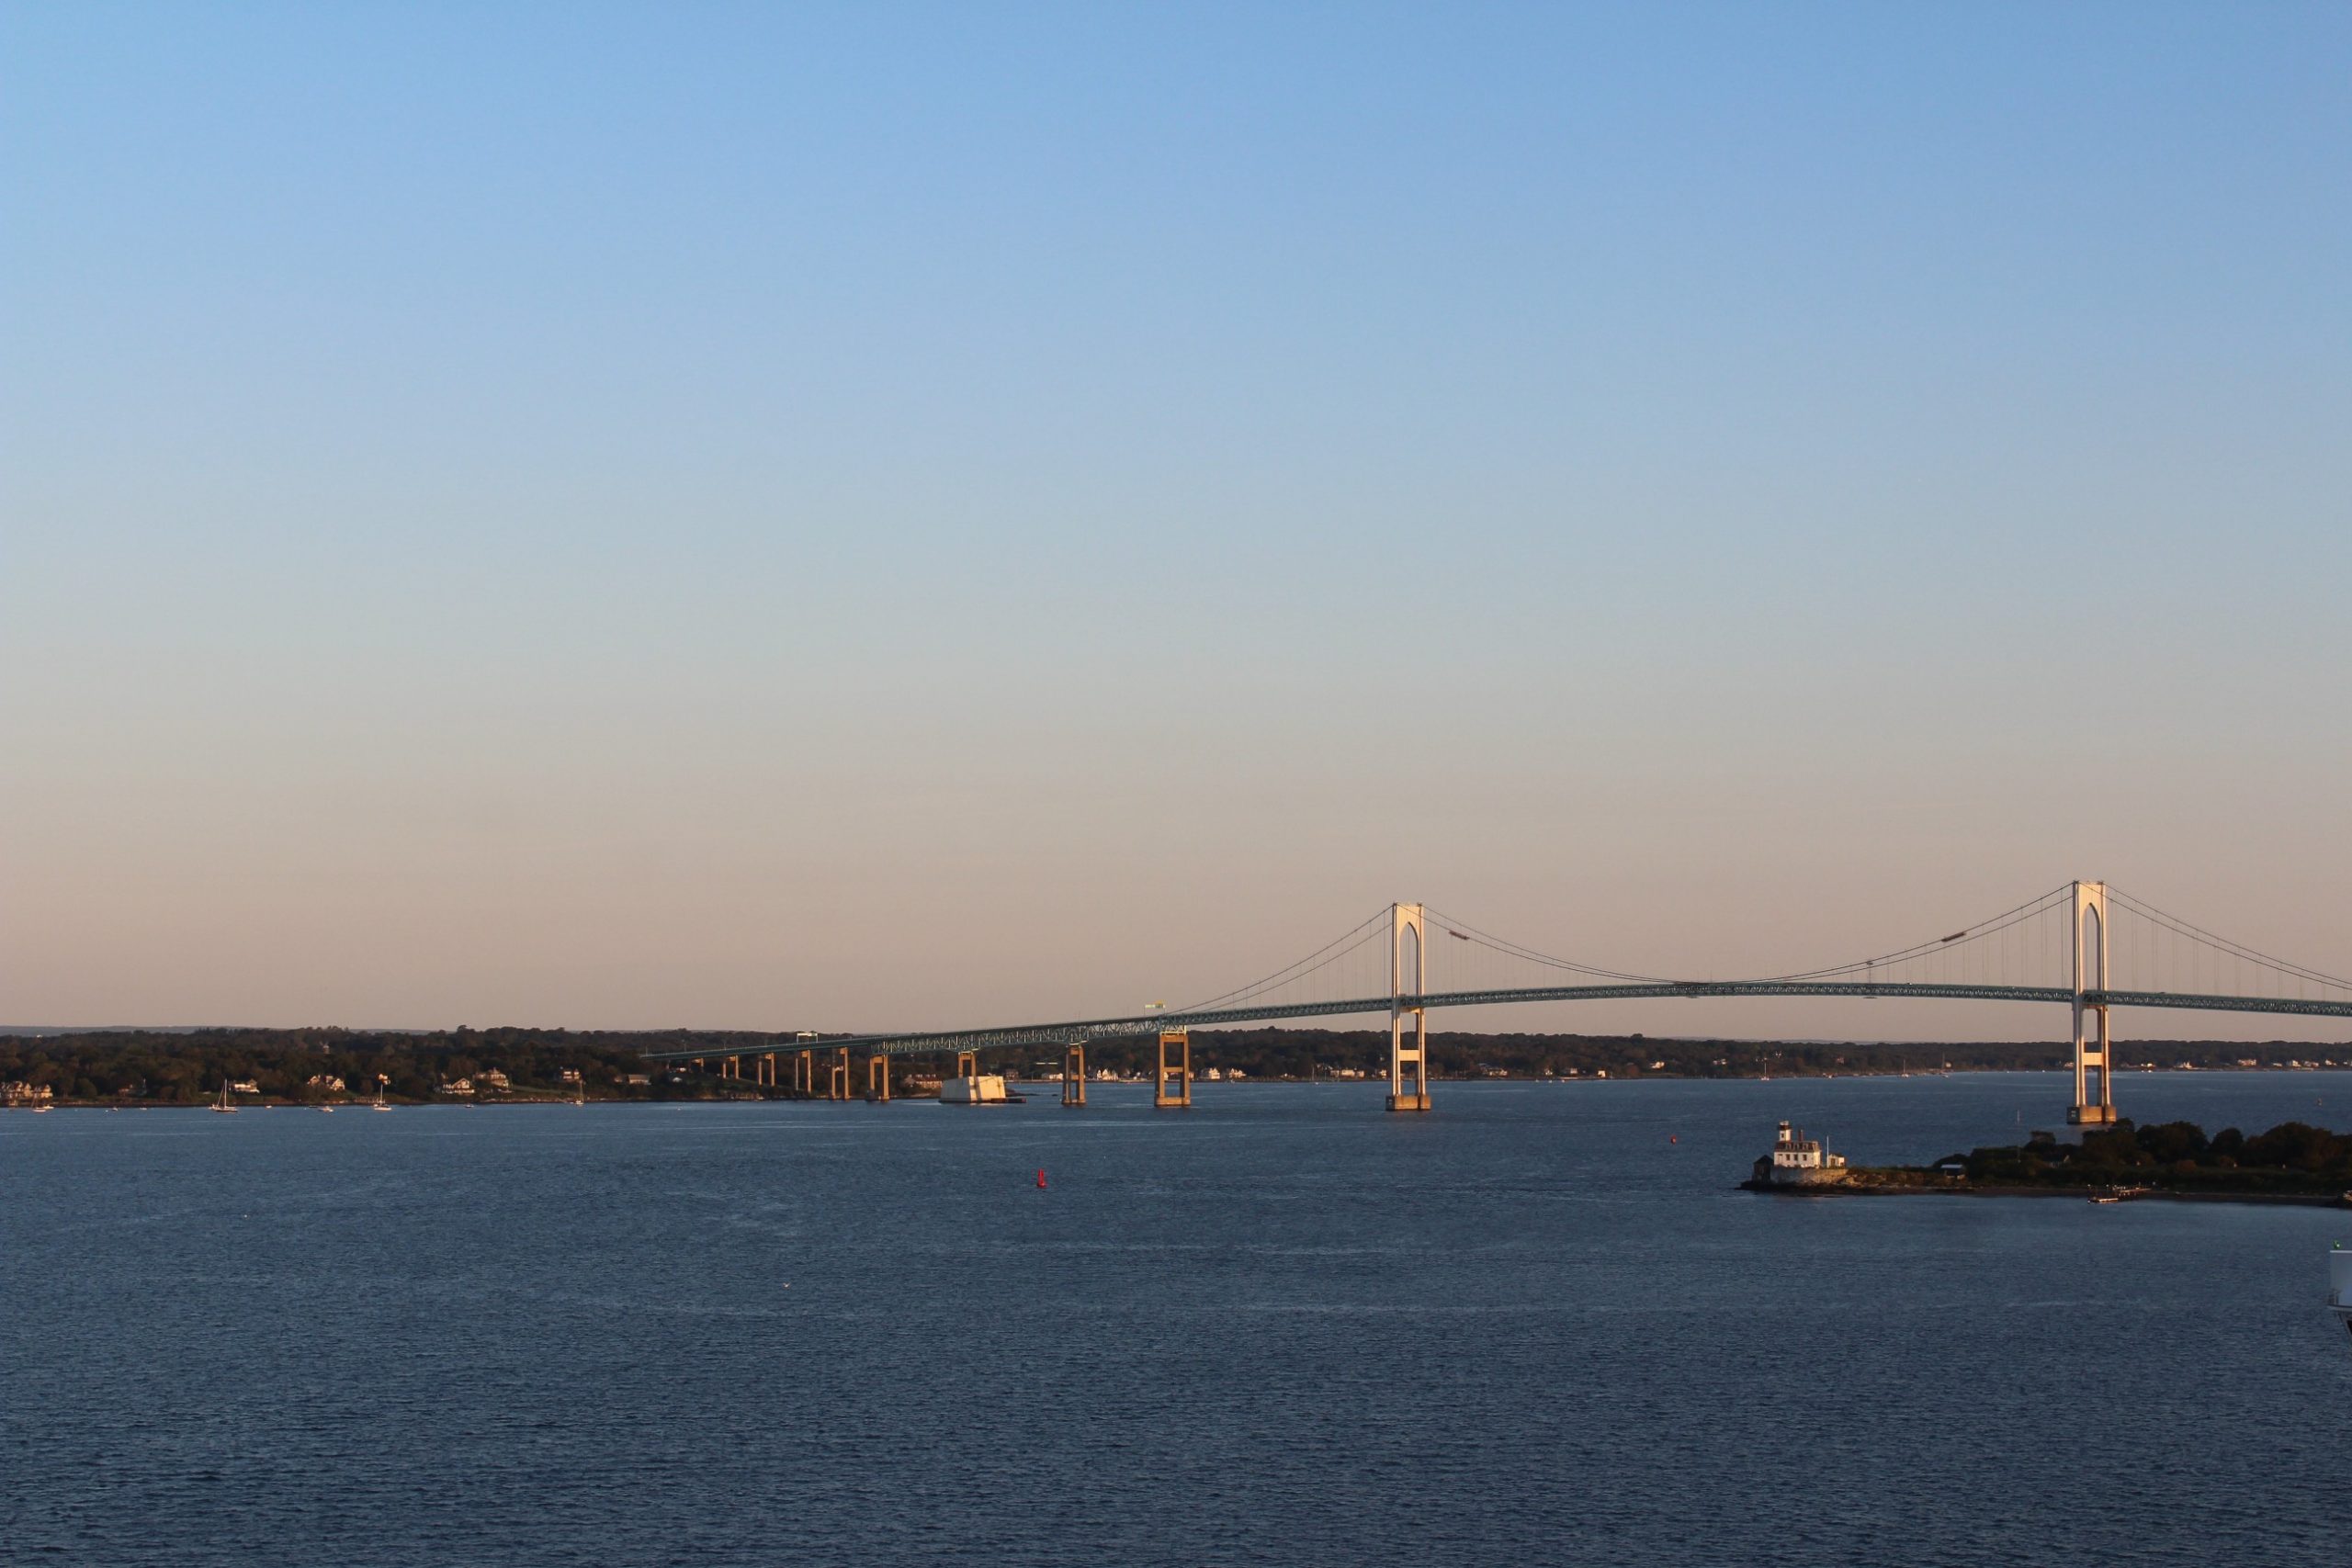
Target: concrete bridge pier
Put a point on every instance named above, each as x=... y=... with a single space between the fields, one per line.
x=1074 y=1075
x=1177 y=1070
x=877 y=1079
x=837 y=1076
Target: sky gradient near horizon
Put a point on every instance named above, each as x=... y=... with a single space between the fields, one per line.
x=866 y=516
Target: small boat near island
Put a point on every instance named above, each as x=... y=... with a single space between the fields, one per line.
x=222 y=1104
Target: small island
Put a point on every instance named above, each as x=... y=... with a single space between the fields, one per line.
x=2291 y=1163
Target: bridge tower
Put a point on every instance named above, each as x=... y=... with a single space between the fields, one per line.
x=1074 y=1073
x=877 y=1079
x=2094 y=1057
x=1407 y=962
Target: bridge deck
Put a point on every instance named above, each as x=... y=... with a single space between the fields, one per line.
x=1078 y=1030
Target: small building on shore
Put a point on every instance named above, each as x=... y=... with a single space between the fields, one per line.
x=1799 y=1161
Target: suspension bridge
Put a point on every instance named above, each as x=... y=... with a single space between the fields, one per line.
x=2083 y=945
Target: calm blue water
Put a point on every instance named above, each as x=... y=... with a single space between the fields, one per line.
x=1282 y=1327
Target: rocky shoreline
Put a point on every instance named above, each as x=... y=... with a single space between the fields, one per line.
x=1857 y=1185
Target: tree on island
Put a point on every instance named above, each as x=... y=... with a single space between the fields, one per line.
x=2293 y=1157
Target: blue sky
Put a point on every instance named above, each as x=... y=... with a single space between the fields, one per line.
x=853 y=516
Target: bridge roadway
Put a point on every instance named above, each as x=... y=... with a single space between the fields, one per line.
x=1079 y=1031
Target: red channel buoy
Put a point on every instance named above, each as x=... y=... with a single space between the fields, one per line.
x=1671 y=1139
x=1041 y=1178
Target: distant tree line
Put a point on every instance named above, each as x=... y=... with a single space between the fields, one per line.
x=185 y=1067
x=1294 y=1053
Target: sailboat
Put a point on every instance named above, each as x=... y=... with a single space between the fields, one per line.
x=380 y=1104
x=222 y=1104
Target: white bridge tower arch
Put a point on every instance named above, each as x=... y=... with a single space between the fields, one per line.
x=2095 y=1054
x=1409 y=974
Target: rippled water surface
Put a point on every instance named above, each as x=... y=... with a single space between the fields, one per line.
x=1283 y=1327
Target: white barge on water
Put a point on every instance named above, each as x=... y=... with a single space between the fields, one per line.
x=976 y=1089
